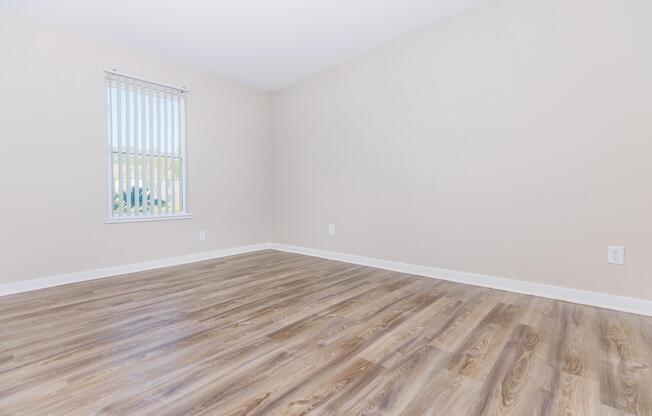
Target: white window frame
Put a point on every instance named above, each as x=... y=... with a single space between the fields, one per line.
x=111 y=217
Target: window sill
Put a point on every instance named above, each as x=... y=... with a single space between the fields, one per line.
x=147 y=218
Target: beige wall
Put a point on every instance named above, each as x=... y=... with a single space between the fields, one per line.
x=514 y=141
x=53 y=173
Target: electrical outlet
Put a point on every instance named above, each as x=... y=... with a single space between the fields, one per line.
x=331 y=229
x=202 y=235
x=616 y=255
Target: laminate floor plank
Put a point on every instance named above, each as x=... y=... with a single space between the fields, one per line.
x=272 y=333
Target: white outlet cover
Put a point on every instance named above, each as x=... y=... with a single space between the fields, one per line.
x=331 y=229
x=202 y=235
x=616 y=254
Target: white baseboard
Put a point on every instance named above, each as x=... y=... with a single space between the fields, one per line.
x=63 y=279
x=601 y=300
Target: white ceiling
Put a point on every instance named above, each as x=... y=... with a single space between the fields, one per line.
x=268 y=44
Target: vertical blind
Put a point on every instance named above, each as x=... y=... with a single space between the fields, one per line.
x=146 y=148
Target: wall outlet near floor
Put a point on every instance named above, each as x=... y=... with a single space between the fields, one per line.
x=331 y=229
x=616 y=255
x=202 y=235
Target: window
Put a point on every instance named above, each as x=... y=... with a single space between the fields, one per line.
x=146 y=150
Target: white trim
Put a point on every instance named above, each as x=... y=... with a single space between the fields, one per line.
x=64 y=279
x=601 y=300
x=619 y=303
x=118 y=220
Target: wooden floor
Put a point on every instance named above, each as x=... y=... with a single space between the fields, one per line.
x=271 y=333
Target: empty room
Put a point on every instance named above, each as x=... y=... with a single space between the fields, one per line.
x=326 y=207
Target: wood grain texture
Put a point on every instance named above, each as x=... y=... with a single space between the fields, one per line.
x=272 y=333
